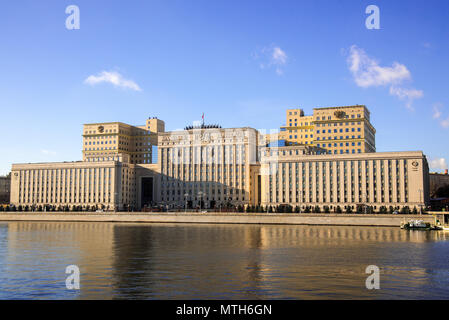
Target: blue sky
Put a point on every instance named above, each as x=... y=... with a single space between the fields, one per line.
x=242 y=63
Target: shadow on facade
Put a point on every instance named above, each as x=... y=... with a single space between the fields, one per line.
x=160 y=191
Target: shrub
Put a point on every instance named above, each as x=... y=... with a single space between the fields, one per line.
x=405 y=210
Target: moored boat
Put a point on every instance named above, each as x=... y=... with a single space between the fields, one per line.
x=416 y=225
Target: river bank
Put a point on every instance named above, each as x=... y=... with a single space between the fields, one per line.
x=384 y=220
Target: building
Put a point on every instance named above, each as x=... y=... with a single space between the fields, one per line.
x=207 y=166
x=438 y=180
x=395 y=179
x=121 y=142
x=5 y=188
x=339 y=130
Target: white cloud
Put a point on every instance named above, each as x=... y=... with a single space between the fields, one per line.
x=437 y=107
x=114 y=78
x=445 y=123
x=48 y=152
x=367 y=73
x=406 y=94
x=437 y=110
x=279 y=57
x=272 y=57
x=438 y=164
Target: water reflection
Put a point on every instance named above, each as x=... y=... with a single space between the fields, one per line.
x=180 y=261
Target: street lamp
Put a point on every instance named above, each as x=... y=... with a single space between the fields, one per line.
x=185 y=196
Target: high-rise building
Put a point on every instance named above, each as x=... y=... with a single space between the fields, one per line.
x=338 y=130
x=121 y=142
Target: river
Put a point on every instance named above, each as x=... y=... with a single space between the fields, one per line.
x=195 y=261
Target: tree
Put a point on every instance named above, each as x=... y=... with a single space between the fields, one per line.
x=348 y=209
x=297 y=209
x=317 y=209
x=338 y=209
x=405 y=210
x=415 y=211
x=326 y=209
x=307 y=209
x=383 y=209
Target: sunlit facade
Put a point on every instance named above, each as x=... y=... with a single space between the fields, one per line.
x=131 y=167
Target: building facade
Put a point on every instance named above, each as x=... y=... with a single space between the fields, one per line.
x=211 y=167
x=206 y=167
x=121 y=142
x=5 y=189
x=438 y=180
x=339 y=130
x=396 y=179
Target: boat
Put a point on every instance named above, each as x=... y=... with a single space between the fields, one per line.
x=416 y=225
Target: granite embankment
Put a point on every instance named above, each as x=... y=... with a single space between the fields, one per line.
x=216 y=217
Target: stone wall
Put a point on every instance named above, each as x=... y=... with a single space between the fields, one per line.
x=226 y=218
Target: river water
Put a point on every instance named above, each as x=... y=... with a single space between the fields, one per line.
x=193 y=261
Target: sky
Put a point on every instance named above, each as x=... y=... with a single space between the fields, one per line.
x=241 y=62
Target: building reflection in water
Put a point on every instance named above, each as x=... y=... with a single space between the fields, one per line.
x=183 y=261
x=39 y=252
